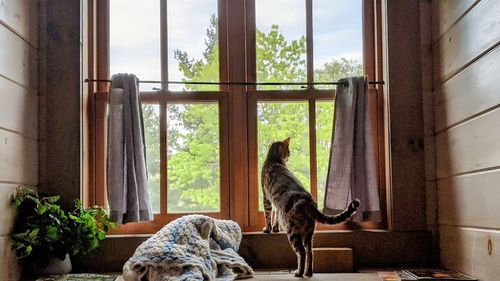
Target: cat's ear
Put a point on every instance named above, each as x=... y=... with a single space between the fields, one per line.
x=287 y=141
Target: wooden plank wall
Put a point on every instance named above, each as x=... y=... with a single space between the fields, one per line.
x=428 y=126
x=18 y=114
x=405 y=110
x=466 y=68
x=60 y=105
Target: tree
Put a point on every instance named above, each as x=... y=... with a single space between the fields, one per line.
x=278 y=60
x=193 y=131
x=337 y=69
x=151 y=116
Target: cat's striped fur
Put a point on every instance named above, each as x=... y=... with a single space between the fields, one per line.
x=297 y=211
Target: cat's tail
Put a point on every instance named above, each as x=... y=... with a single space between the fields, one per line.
x=315 y=214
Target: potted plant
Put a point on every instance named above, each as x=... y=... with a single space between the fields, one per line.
x=45 y=235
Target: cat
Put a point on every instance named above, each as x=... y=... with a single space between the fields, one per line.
x=296 y=209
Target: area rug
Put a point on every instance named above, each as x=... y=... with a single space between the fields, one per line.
x=81 y=277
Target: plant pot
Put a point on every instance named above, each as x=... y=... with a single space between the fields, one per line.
x=54 y=267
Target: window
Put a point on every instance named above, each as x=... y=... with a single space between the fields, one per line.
x=280 y=45
x=206 y=143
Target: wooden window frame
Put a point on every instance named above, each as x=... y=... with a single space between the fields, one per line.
x=162 y=98
x=237 y=111
x=372 y=66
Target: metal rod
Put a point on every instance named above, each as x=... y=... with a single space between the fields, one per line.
x=235 y=83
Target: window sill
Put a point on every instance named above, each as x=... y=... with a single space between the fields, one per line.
x=371 y=248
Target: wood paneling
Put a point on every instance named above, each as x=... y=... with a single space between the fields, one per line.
x=332 y=260
x=428 y=123
x=18 y=109
x=405 y=112
x=18 y=115
x=446 y=13
x=466 y=250
x=9 y=269
x=7 y=212
x=470 y=92
x=471 y=146
x=255 y=249
x=470 y=200
x=19 y=59
x=466 y=70
x=21 y=16
x=61 y=99
x=18 y=159
x=367 y=246
x=474 y=34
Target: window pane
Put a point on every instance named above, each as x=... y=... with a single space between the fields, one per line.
x=338 y=43
x=280 y=42
x=193 y=47
x=324 y=127
x=277 y=121
x=134 y=39
x=193 y=175
x=151 y=113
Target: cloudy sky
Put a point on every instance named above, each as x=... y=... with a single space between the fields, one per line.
x=135 y=31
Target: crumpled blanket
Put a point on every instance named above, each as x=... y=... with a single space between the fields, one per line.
x=193 y=247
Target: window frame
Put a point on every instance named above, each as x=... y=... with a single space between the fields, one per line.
x=372 y=68
x=237 y=110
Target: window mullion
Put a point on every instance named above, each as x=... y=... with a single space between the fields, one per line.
x=164 y=43
x=368 y=38
x=223 y=55
x=312 y=148
x=251 y=55
x=163 y=106
x=102 y=43
x=309 y=42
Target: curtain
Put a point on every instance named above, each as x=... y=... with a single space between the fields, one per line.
x=352 y=167
x=127 y=175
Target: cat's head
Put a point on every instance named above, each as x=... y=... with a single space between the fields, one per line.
x=279 y=150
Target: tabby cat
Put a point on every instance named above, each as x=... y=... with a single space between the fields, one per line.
x=296 y=210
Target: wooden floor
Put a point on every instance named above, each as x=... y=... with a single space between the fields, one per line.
x=284 y=276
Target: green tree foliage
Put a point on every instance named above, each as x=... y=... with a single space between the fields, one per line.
x=193 y=129
x=337 y=69
x=193 y=162
x=151 y=117
x=278 y=60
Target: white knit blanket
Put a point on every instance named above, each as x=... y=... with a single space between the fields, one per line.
x=193 y=247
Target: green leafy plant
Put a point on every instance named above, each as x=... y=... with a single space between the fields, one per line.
x=43 y=229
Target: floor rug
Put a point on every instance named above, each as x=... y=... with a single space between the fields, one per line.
x=81 y=277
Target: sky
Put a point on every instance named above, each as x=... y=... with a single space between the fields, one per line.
x=135 y=31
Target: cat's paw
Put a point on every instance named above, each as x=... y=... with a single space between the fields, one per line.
x=266 y=229
x=308 y=273
x=276 y=228
x=297 y=273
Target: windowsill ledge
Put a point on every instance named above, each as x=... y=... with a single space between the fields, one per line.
x=372 y=248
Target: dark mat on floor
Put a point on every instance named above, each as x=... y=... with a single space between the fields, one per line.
x=81 y=277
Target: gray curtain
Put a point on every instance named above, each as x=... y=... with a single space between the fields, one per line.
x=127 y=175
x=352 y=168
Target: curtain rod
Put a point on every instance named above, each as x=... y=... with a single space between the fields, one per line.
x=235 y=83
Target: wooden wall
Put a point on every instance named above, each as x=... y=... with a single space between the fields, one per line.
x=18 y=114
x=371 y=249
x=405 y=112
x=60 y=100
x=466 y=72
